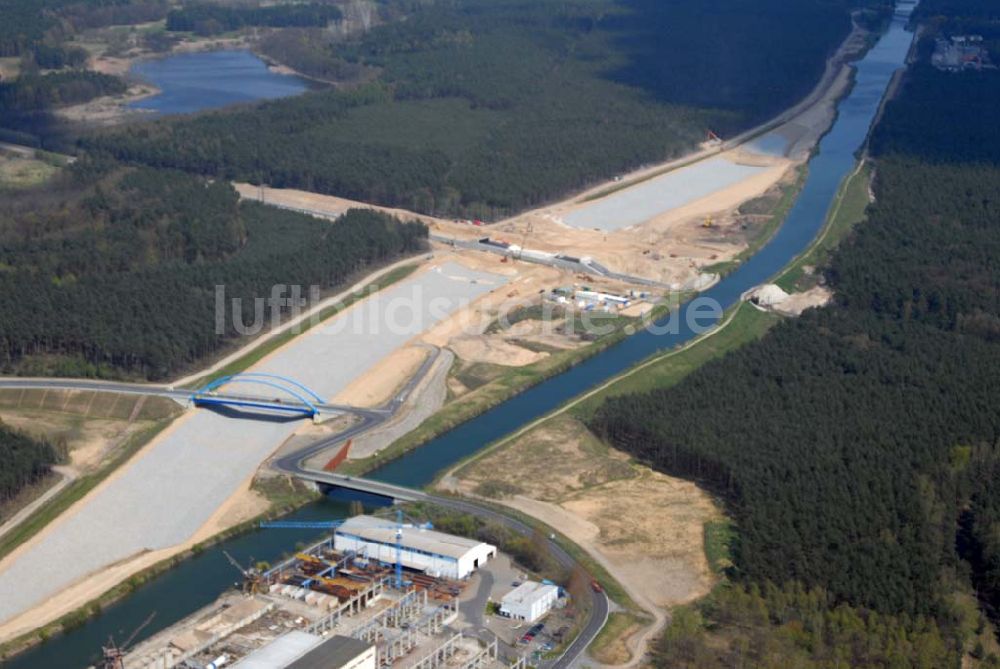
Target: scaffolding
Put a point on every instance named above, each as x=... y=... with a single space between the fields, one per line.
x=392 y=631
x=488 y=657
x=351 y=607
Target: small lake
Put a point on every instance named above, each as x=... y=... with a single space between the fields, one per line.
x=191 y=82
x=198 y=581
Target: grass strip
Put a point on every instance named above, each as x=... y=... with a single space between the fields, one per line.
x=778 y=215
x=619 y=622
x=848 y=209
x=76 y=490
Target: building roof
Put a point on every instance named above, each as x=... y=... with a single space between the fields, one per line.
x=335 y=652
x=527 y=593
x=430 y=541
x=281 y=652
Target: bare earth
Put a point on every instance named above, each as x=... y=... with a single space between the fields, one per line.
x=382 y=381
x=645 y=528
x=348 y=353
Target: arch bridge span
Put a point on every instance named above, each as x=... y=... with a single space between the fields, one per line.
x=295 y=397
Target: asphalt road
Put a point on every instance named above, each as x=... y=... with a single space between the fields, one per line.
x=564 y=262
x=179 y=394
x=293 y=464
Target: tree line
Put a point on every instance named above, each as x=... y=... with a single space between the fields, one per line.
x=214 y=18
x=856 y=447
x=121 y=272
x=486 y=107
x=25 y=461
x=33 y=91
x=27 y=23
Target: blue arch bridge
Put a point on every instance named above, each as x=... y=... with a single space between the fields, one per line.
x=290 y=396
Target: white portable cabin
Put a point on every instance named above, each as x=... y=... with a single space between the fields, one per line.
x=529 y=601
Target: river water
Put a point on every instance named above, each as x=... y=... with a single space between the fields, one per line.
x=198 y=581
x=191 y=82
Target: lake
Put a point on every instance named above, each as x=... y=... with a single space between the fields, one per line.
x=191 y=82
x=199 y=581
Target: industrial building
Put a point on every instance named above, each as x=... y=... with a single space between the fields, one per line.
x=434 y=553
x=324 y=609
x=529 y=601
x=301 y=650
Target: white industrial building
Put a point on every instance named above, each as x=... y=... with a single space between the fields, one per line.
x=429 y=551
x=529 y=601
x=300 y=650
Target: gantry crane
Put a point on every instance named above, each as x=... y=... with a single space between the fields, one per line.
x=398 y=526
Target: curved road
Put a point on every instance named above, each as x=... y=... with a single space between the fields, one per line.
x=293 y=464
x=178 y=394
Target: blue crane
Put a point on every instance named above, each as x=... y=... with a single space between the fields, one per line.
x=334 y=524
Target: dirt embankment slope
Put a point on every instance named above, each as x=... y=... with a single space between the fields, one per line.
x=645 y=528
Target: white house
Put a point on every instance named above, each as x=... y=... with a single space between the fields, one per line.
x=529 y=601
x=429 y=551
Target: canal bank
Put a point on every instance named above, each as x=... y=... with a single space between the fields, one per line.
x=196 y=582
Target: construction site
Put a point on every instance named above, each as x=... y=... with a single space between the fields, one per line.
x=377 y=604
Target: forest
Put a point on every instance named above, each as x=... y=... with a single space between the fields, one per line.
x=25 y=461
x=487 y=107
x=856 y=447
x=33 y=92
x=115 y=275
x=51 y=57
x=212 y=18
x=27 y=23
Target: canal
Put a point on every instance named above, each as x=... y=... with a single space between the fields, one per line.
x=198 y=581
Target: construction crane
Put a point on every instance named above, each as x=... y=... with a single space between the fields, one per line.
x=251 y=575
x=114 y=654
x=334 y=524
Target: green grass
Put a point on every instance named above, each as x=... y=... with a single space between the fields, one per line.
x=848 y=209
x=509 y=382
x=18 y=172
x=75 y=491
x=284 y=492
x=745 y=325
x=618 y=623
x=260 y=352
x=719 y=537
x=778 y=214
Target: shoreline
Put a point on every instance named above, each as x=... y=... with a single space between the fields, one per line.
x=222 y=535
x=839 y=70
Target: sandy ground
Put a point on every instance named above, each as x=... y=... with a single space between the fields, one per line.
x=19 y=170
x=379 y=384
x=10 y=67
x=88 y=441
x=796 y=303
x=425 y=399
x=494 y=349
x=109 y=109
x=173 y=489
x=644 y=527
